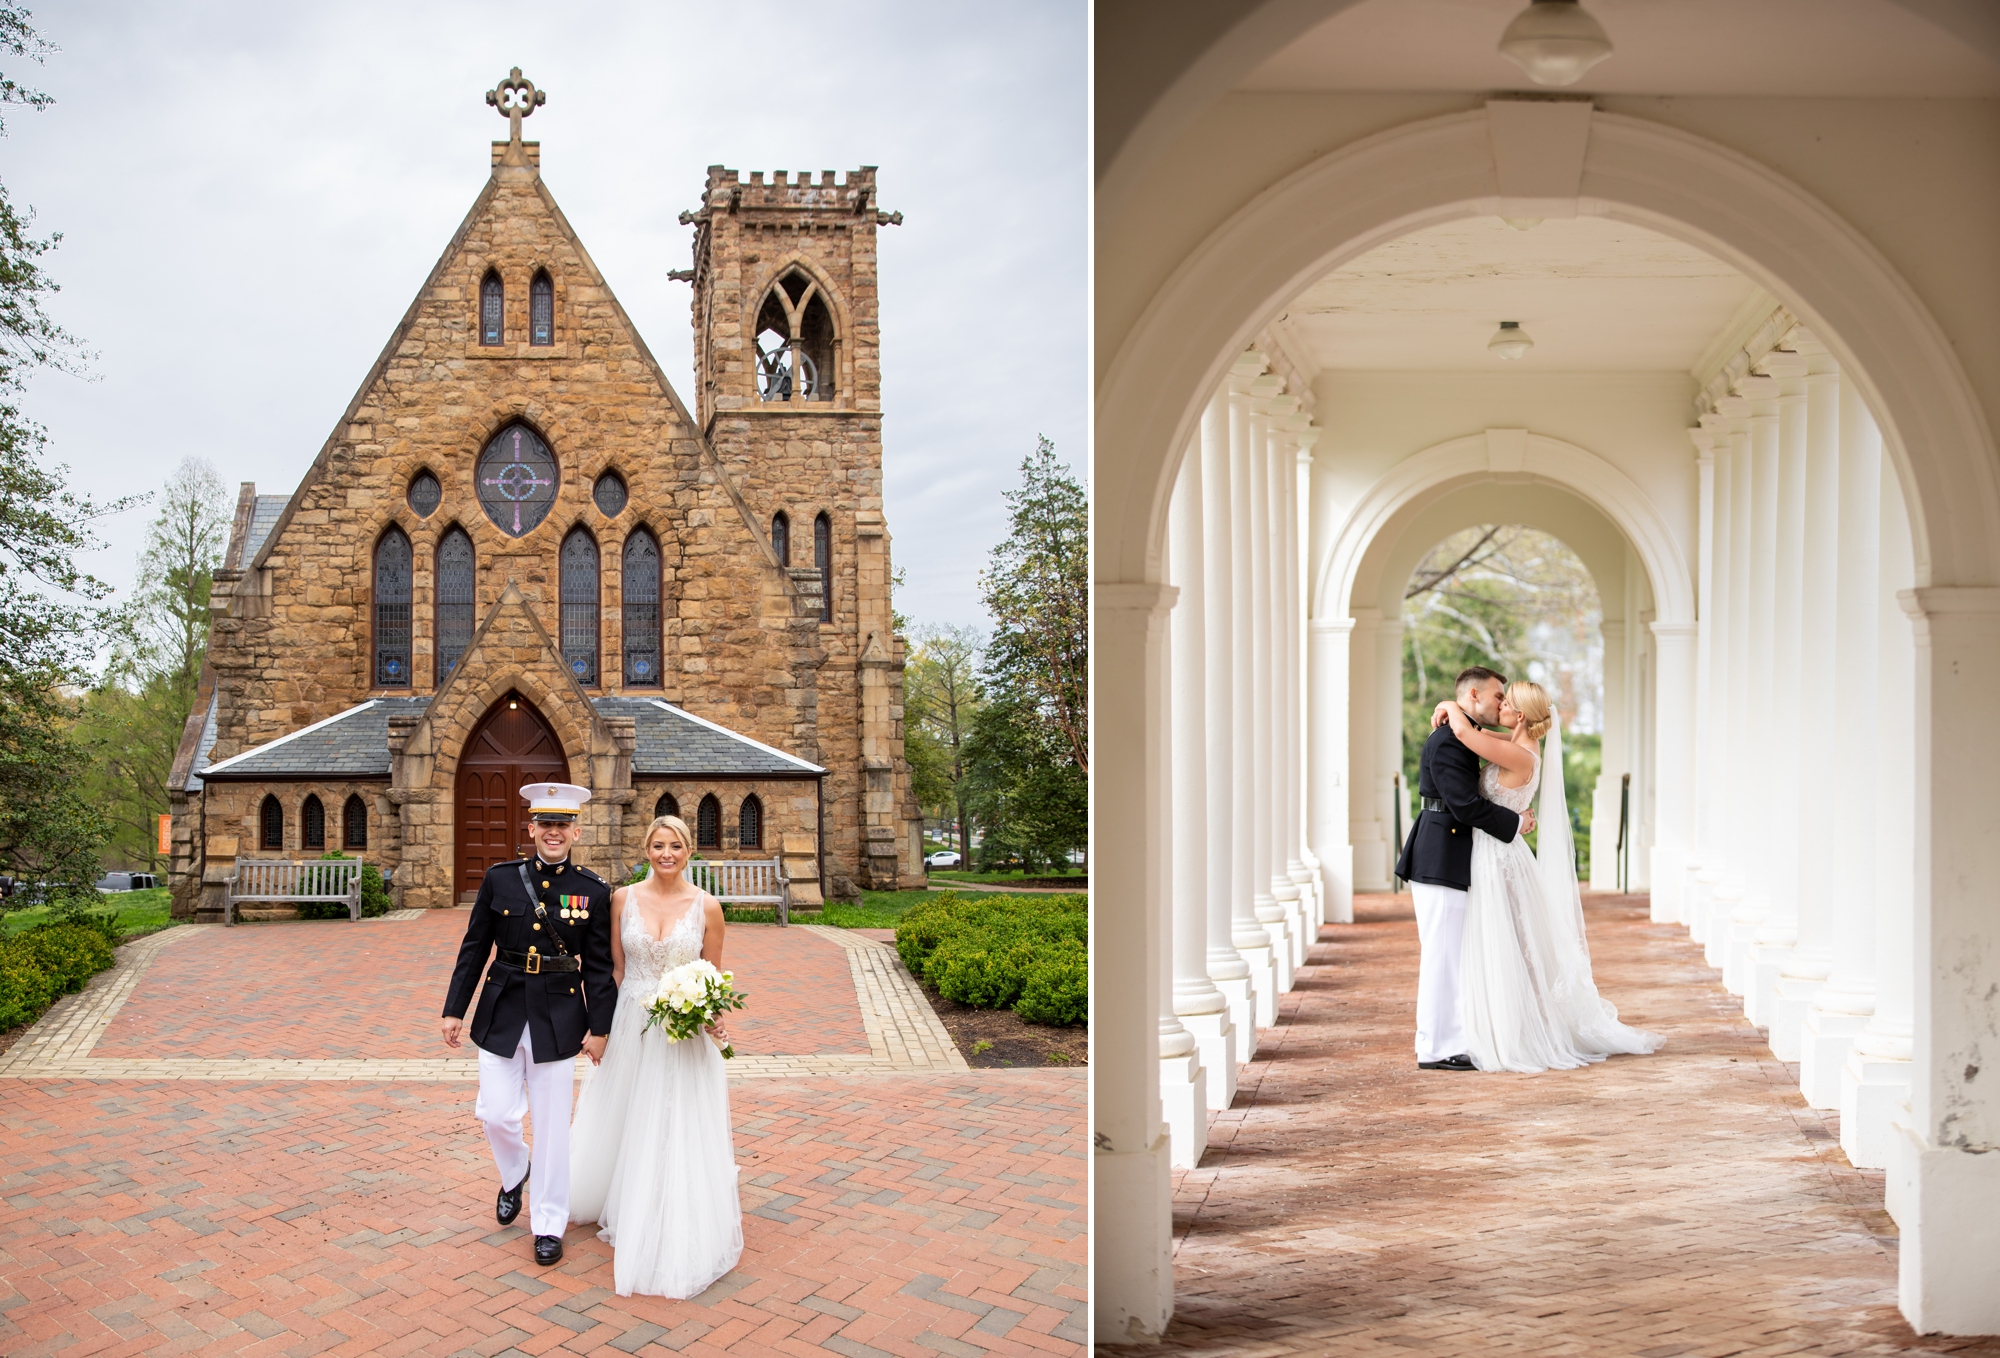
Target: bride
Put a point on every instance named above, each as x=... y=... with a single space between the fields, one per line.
x=651 y=1155
x=1529 y=1001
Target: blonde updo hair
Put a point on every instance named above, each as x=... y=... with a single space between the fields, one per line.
x=1531 y=700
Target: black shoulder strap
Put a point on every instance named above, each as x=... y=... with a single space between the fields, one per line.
x=541 y=911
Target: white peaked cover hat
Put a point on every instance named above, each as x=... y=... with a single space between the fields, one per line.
x=546 y=801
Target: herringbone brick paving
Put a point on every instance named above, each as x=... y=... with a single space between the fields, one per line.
x=1684 y=1203
x=903 y=1213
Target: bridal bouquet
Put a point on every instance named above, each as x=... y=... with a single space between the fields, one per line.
x=691 y=997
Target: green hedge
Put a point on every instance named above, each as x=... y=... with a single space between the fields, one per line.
x=40 y=964
x=1030 y=954
x=375 y=900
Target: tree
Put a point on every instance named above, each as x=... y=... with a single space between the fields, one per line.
x=941 y=698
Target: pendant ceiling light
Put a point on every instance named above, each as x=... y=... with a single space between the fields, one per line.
x=1555 y=42
x=1510 y=340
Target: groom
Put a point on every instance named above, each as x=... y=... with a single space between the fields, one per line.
x=1437 y=863
x=550 y=979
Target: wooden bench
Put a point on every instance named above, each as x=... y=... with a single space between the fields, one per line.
x=745 y=881
x=336 y=880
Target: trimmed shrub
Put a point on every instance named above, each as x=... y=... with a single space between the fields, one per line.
x=375 y=899
x=1025 y=953
x=39 y=964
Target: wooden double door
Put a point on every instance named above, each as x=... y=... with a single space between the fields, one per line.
x=511 y=747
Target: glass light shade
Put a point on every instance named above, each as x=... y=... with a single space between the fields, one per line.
x=1510 y=341
x=1555 y=42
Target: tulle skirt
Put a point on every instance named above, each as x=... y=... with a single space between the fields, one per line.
x=1530 y=1003
x=652 y=1160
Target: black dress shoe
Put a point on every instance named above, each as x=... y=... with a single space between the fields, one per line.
x=548 y=1249
x=1449 y=1063
x=508 y=1205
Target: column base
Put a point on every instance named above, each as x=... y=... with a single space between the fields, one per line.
x=1949 y=1213
x=1263 y=963
x=1242 y=996
x=1737 y=941
x=1184 y=1100
x=1280 y=928
x=1723 y=902
x=1787 y=999
x=1336 y=875
x=1669 y=878
x=1824 y=1040
x=1872 y=1092
x=1371 y=865
x=1292 y=902
x=1763 y=965
x=1132 y=1244
x=1698 y=905
x=1215 y=1036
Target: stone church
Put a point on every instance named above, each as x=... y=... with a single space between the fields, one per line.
x=519 y=556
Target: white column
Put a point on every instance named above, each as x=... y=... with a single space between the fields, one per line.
x=1227 y=967
x=1301 y=864
x=1614 y=760
x=1754 y=753
x=1239 y=773
x=1263 y=670
x=1677 y=668
x=1365 y=830
x=1327 y=776
x=1131 y=1216
x=1389 y=737
x=1711 y=783
x=1280 y=461
x=1737 y=763
x=1194 y=1050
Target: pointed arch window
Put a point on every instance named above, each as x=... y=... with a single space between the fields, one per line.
x=541 y=309
x=781 y=537
x=492 y=309
x=312 y=824
x=579 y=606
x=668 y=805
x=354 y=824
x=454 y=600
x=392 y=610
x=516 y=480
x=708 y=823
x=794 y=339
x=823 y=562
x=641 y=594
x=271 y=823
x=750 y=823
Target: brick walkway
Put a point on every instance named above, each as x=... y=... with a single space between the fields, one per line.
x=1686 y=1203
x=919 y=1210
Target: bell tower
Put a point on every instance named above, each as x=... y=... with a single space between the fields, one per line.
x=788 y=392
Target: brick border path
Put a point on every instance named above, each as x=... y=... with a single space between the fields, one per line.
x=1685 y=1203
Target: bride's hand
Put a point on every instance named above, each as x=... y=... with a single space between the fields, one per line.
x=1449 y=711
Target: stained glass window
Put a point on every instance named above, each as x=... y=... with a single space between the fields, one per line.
x=823 y=560
x=668 y=805
x=492 y=310
x=579 y=606
x=312 y=824
x=425 y=495
x=273 y=827
x=609 y=493
x=781 y=537
x=517 y=480
x=750 y=824
x=392 y=610
x=541 y=311
x=355 y=822
x=454 y=600
x=708 y=823
x=641 y=592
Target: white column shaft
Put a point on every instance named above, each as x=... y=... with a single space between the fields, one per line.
x=1327 y=688
x=1250 y=936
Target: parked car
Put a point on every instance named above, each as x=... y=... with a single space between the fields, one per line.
x=943 y=858
x=127 y=881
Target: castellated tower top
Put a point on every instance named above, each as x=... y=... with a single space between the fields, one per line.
x=785 y=312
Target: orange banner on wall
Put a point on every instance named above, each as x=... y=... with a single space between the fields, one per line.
x=166 y=834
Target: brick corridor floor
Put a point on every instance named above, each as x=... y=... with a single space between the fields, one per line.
x=912 y=1213
x=1685 y=1203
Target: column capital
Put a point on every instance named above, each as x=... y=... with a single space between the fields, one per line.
x=1676 y=631
x=1306 y=438
x=1330 y=626
x=1147 y=598
x=1936 y=600
x=1248 y=364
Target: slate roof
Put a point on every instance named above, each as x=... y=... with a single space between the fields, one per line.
x=262 y=520
x=355 y=744
x=203 y=745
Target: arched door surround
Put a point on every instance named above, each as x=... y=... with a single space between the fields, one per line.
x=513 y=745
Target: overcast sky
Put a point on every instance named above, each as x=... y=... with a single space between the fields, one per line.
x=250 y=194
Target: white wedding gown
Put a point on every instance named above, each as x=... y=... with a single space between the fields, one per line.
x=652 y=1159
x=1530 y=1003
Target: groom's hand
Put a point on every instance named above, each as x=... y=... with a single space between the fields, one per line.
x=593 y=1047
x=1528 y=821
x=451 y=1027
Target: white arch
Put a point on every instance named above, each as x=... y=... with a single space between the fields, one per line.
x=1481 y=457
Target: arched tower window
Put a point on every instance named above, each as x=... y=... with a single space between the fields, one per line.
x=579 y=606
x=794 y=341
x=454 y=600
x=312 y=824
x=271 y=821
x=668 y=805
x=708 y=823
x=354 y=824
x=392 y=610
x=750 y=823
x=541 y=309
x=823 y=561
x=781 y=537
x=492 y=309
x=641 y=593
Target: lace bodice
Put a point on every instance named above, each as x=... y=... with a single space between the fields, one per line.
x=1516 y=799
x=646 y=960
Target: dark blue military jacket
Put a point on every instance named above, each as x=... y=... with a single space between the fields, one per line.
x=1439 y=849
x=556 y=1007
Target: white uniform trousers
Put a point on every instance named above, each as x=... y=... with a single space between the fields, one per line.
x=510 y=1086
x=1440 y=929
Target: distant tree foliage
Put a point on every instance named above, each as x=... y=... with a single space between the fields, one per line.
x=941 y=699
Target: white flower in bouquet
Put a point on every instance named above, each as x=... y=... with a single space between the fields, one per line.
x=690 y=998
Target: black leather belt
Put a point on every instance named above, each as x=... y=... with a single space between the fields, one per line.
x=535 y=963
x=1433 y=804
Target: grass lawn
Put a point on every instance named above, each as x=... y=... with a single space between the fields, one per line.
x=878 y=910
x=139 y=912
x=1002 y=878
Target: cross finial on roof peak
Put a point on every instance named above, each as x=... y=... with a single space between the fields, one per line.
x=515 y=97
